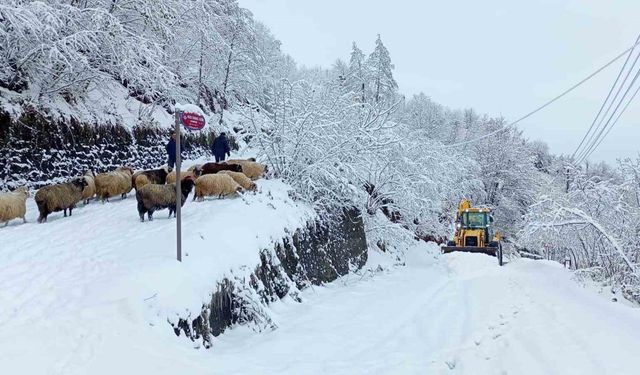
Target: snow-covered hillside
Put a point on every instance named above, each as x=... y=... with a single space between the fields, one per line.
x=77 y=287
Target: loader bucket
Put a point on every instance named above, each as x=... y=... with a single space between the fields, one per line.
x=489 y=250
x=471 y=249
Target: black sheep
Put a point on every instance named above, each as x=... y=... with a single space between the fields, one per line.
x=210 y=168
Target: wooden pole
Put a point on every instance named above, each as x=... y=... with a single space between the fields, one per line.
x=178 y=191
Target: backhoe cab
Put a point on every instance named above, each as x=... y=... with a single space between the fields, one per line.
x=474 y=232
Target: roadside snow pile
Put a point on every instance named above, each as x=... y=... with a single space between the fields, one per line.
x=67 y=283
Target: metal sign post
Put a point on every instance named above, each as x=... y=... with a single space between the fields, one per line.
x=178 y=191
x=193 y=121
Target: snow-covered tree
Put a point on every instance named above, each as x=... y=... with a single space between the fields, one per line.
x=357 y=79
x=384 y=86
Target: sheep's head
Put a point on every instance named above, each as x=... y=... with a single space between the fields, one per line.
x=236 y=167
x=24 y=190
x=197 y=170
x=252 y=159
x=125 y=169
x=186 y=185
x=79 y=183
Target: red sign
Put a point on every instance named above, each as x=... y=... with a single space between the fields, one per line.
x=192 y=120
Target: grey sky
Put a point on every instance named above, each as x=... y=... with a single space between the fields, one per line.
x=500 y=57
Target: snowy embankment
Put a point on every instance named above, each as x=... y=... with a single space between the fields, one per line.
x=80 y=287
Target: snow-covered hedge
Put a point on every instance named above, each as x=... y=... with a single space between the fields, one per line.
x=38 y=150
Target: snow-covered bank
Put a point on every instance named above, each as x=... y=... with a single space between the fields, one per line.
x=100 y=281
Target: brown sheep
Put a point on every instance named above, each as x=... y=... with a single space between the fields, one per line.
x=210 y=168
x=153 y=197
x=114 y=183
x=219 y=185
x=241 y=179
x=59 y=197
x=14 y=205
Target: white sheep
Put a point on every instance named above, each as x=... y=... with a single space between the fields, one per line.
x=241 y=179
x=194 y=167
x=90 y=190
x=219 y=185
x=194 y=173
x=114 y=183
x=13 y=205
x=251 y=169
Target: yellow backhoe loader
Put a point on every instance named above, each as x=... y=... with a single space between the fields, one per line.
x=474 y=232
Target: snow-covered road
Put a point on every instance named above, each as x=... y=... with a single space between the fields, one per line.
x=466 y=316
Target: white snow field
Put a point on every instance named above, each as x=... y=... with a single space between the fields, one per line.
x=92 y=294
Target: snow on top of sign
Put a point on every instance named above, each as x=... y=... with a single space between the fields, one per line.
x=189 y=108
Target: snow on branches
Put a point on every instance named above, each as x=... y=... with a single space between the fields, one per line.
x=594 y=223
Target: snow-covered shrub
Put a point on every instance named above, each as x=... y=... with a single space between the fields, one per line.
x=593 y=221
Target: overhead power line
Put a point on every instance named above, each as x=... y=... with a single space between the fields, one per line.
x=595 y=119
x=506 y=127
x=619 y=115
x=600 y=136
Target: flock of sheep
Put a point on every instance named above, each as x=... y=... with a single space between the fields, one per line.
x=155 y=188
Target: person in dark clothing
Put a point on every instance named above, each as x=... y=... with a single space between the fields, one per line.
x=220 y=147
x=171 y=150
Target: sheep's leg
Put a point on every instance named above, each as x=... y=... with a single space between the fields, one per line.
x=65 y=212
x=141 y=211
x=70 y=210
x=150 y=214
x=7 y=223
x=24 y=220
